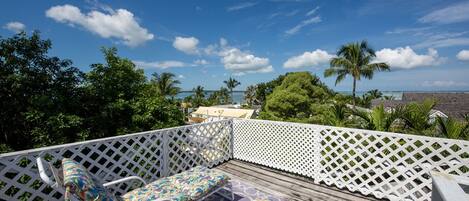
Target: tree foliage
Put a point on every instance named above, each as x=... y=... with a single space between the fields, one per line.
x=39 y=94
x=293 y=99
x=231 y=84
x=44 y=100
x=356 y=60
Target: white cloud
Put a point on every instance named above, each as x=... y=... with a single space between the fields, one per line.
x=311 y=12
x=240 y=62
x=241 y=6
x=120 y=23
x=302 y=24
x=187 y=45
x=444 y=83
x=181 y=77
x=201 y=62
x=463 y=55
x=451 y=14
x=406 y=58
x=308 y=59
x=446 y=42
x=15 y=27
x=415 y=30
x=160 y=64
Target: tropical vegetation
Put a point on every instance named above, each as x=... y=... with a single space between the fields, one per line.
x=45 y=100
x=356 y=60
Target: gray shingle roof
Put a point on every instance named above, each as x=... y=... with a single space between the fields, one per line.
x=454 y=105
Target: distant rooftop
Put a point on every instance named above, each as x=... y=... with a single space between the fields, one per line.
x=454 y=105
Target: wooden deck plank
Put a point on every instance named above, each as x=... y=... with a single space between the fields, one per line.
x=305 y=182
x=293 y=186
x=293 y=195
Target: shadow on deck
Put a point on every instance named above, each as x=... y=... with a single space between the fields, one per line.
x=285 y=185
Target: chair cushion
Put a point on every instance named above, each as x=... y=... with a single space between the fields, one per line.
x=189 y=185
x=78 y=182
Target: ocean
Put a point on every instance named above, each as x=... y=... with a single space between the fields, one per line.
x=238 y=96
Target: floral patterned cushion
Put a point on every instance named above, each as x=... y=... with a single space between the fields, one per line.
x=189 y=185
x=78 y=182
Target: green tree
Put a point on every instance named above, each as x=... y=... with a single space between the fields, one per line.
x=250 y=95
x=165 y=84
x=39 y=95
x=231 y=84
x=219 y=97
x=155 y=112
x=366 y=99
x=452 y=128
x=354 y=59
x=336 y=115
x=265 y=89
x=112 y=87
x=375 y=93
x=378 y=118
x=198 y=97
x=293 y=99
x=417 y=117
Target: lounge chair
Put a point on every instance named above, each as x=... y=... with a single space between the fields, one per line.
x=76 y=183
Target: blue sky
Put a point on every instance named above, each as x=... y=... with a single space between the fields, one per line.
x=204 y=42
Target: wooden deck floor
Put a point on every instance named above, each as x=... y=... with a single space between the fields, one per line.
x=284 y=184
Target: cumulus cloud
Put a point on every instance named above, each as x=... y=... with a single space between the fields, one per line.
x=451 y=14
x=120 y=23
x=181 y=76
x=15 y=27
x=187 y=45
x=463 y=55
x=302 y=24
x=406 y=58
x=444 y=83
x=241 y=6
x=160 y=64
x=240 y=62
x=308 y=59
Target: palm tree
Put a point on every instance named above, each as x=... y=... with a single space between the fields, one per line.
x=451 y=128
x=378 y=118
x=250 y=95
x=199 y=96
x=231 y=84
x=354 y=59
x=375 y=93
x=337 y=115
x=165 y=84
x=417 y=117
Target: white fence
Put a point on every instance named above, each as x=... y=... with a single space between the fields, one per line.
x=150 y=155
x=386 y=165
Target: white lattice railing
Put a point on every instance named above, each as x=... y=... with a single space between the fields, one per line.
x=386 y=165
x=151 y=155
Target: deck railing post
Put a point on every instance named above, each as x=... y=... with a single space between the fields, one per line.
x=231 y=127
x=166 y=158
x=317 y=155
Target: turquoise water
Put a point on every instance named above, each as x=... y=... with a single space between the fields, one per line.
x=238 y=96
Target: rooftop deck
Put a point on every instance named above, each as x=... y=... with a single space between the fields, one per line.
x=289 y=160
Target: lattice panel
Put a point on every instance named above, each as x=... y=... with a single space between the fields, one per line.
x=386 y=165
x=146 y=154
x=286 y=146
